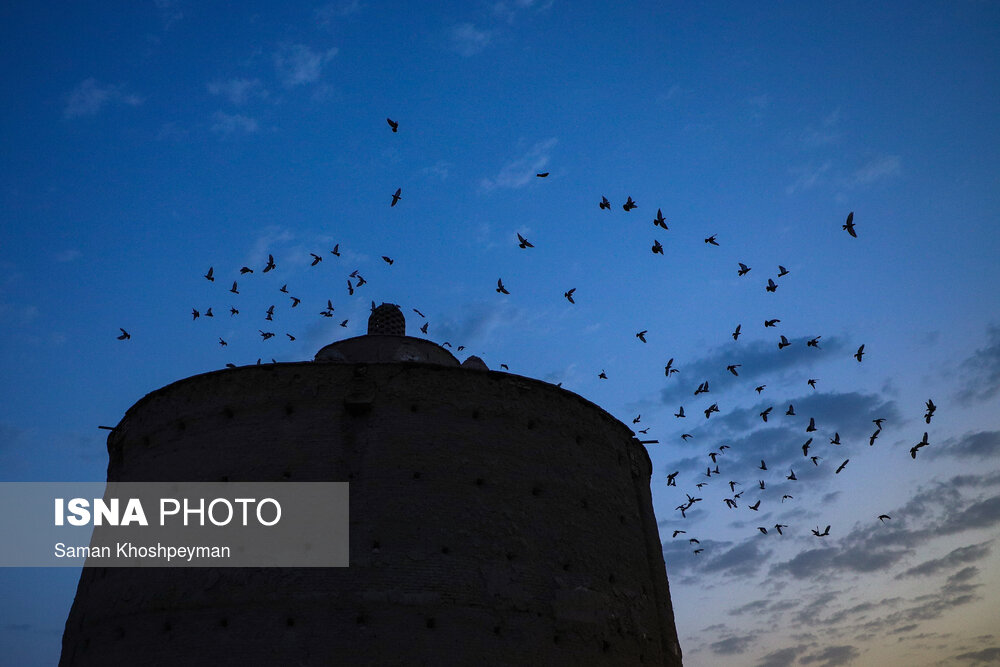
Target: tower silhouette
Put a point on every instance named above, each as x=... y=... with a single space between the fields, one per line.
x=494 y=520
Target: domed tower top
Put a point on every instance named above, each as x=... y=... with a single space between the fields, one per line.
x=387 y=319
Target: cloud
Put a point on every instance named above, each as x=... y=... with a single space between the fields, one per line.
x=832 y=656
x=981 y=444
x=238 y=91
x=520 y=171
x=89 y=97
x=330 y=12
x=67 y=255
x=732 y=645
x=987 y=656
x=875 y=170
x=807 y=177
x=297 y=64
x=227 y=124
x=785 y=657
x=981 y=371
x=467 y=40
x=959 y=556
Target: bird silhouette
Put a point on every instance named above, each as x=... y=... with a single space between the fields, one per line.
x=759 y=388
x=605 y=204
x=871 y=440
x=671 y=481
x=782 y=271
x=642 y=335
x=316 y=259
x=744 y=269
x=636 y=419
x=657 y=248
x=344 y=324
x=295 y=301
x=849 y=225
x=878 y=422
x=762 y=529
x=543 y=174
x=930 y=411
x=812 y=425
x=783 y=343
x=629 y=205
x=387 y=260
x=732 y=368
x=787 y=497
x=265 y=334
x=208 y=313
x=841 y=467
x=711 y=240
x=523 y=242
x=823 y=534
x=211 y=274
x=805 y=447
x=419 y=313
x=813 y=342
x=393 y=124
x=233 y=288
x=680 y=413
x=195 y=314
x=763 y=466
x=659 y=220
x=883 y=517
x=679 y=532
x=779 y=526
x=245 y=269
x=771 y=286
x=791 y=475
x=290 y=336
x=765 y=413
x=569 y=295
x=270 y=264
x=916 y=447
x=812 y=382
x=736 y=332
x=860 y=353
x=755 y=507
x=835 y=440
x=233 y=311
x=124 y=335
x=269 y=315
x=283 y=289
x=702 y=388
x=714 y=407
x=423 y=329
x=790 y=412
x=336 y=250
x=500 y=288
x=602 y=375
x=396 y=196
x=771 y=323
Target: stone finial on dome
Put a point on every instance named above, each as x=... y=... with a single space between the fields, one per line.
x=387 y=319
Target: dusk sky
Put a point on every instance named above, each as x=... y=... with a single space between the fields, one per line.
x=144 y=142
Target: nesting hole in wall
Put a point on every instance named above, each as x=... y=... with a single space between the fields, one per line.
x=510 y=555
x=413 y=407
x=579 y=440
x=605 y=646
x=620 y=457
x=224 y=623
x=611 y=578
x=145 y=440
x=289 y=409
x=416 y=475
x=496 y=630
x=287 y=474
x=536 y=491
x=565 y=566
x=224 y=478
x=431 y=623
x=475 y=414
x=621 y=519
x=531 y=424
x=584 y=504
x=555 y=639
x=120 y=632
x=480 y=481
x=290 y=622
x=167 y=627
x=376 y=547
x=181 y=425
x=361 y=619
x=445 y=550
x=228 y=411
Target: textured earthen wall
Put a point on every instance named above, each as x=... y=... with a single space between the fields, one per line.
x=494 y=520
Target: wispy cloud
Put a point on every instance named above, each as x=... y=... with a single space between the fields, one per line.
x=521 y=170
x=874 y=170
x=238 y=91
x=227 y=124
x=329 y=13
x=297 y=64
x=467 y=40
x=832 y=656
x=981 y=371
x=90 y=97
x=954 y=558
x=808 y=177
x=67 y=255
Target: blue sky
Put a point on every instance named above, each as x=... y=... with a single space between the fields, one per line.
x=145 y=142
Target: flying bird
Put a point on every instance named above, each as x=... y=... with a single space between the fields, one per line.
x=124 y=335
x=805 y=447
x=883 y=517
x=233 y=288
x=336 y=250
x=930 y=411
x=350 y=288
x=771 y=285
x=791 y=475
x=755 y=507
x=523 y=242
x=208 y=313
x=569 y=295
x=835 y=440
x=396 y=196
x=871 y=440
x=763 y=466
x=195 y=314
x=669 y=368
x=823 y=534
x=849 y=225
x=659 y=220
x=283 y=289
x=813 y=342
x=672 y=482
x=744 y=269
x=759 y=388
x=605 y=204
x=295 y=301
x=842 y=466
x=211 y=274
x=812 y=425
x=812 y=382
x=423 y=329
x=764 y=415
x=732 y=368
x=602 y=375
x=916 y=447
x=878 y=422
x=629 y=205
x=679 y=532
x=736 y=332
x=714 y=407
x=711 y=240
x=782 y=271
x=265 y=334
x=344 y=324
x=642 y=335
x=860 y=353
x=393 y=124
x=500 y=288
x=783 y=343
x=762 y=529
x=387 y=260
x=290 y=336
x=245 y=269
x=771 y=323
x=316 y=259
x=270 y=264
x=657 y=248
x=790 y=412
x=270 y=313
x=419 y=313
x=779 y=526
x=680 y=412
x=542 y=174
x=233 y=311
x=702 y=388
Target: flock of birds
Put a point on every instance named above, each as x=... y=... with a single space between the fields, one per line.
x=355 y=280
